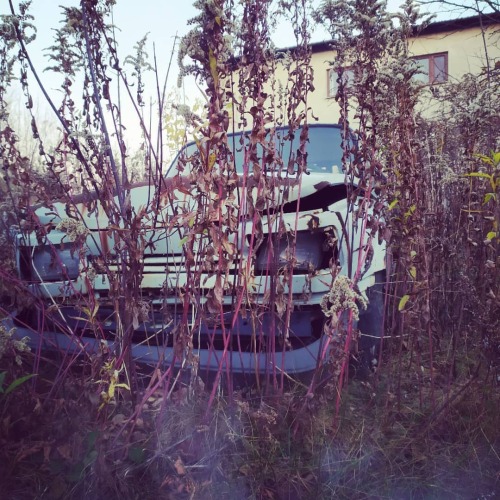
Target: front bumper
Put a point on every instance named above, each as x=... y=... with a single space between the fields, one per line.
x=265 y=352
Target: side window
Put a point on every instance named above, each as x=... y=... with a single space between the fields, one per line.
x=433 y=68
x=333 y=86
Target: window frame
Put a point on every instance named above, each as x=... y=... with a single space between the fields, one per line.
x=330 y=95
x=431 y=77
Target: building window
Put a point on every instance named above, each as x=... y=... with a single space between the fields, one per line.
x=432 y=68
x=333 y=86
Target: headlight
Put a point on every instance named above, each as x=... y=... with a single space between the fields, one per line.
x=49 y=263
x=307 y=254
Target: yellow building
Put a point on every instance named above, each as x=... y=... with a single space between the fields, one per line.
x=445 y=51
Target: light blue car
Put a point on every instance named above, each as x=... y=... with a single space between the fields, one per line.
x=293 y=244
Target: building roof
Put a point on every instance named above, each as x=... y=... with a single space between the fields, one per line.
x=431 y=29
x=461 y=23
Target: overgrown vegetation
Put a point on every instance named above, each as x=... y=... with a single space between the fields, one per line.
x=100 y=425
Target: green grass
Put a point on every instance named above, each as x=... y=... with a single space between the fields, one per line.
x=58 y=444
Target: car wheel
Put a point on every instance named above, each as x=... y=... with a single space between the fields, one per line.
x=371 y=325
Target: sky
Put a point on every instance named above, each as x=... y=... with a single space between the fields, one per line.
x=162 y=19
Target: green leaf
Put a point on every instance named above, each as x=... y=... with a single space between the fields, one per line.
x=213 y=66
x=91 y=440
x=18 y=382
x=76 y=472
x=484 y=158
x=136 y=454
x=410 y=211
x=393 y=204
x=402 y=302
x=496 y=158
x=491 y=235
x=478 y=174
x=2 y=380
x=90 y=458
x=211 y=160
x=488 y=197
x=413 y=272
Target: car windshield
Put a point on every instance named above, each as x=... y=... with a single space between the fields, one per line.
x=324 y=151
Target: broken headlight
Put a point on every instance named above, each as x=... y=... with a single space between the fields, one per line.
x=305 y=254
x=49 y=263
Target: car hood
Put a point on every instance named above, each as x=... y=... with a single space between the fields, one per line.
x=176 y=190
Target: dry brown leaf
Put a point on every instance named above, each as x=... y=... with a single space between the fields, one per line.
x=168 y=481
x=65 y=451
x=46 y=452
x=118 y=419
x=179 y=467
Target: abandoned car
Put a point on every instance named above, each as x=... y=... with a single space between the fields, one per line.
x=255 y=301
